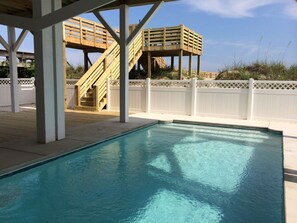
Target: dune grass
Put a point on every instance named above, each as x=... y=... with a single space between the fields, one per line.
x=259 y=71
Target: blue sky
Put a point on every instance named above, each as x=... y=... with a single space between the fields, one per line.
x=233 y=31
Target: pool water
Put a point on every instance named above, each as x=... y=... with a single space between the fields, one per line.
x=164 y=173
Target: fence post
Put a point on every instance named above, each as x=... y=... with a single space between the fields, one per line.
x=250 y=106
x=108 y=94
x=194 y=97
x=148 y=95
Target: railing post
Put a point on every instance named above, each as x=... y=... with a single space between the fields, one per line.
x=250 y=106
x=94 y=34
x=182 y=37
x=164 y=38
x=80 y=30
x=77 y=94
x=108 y=94
x=194 y=97
x=97 y=98
x=148 y=95
x=149 y=39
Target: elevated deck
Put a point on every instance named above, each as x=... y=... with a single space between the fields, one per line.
x=169 y=41
x=80 y=33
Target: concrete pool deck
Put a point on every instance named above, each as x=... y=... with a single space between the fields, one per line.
x=18 y=147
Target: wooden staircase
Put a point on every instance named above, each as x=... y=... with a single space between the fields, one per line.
x=91 y=88
x=157 y=62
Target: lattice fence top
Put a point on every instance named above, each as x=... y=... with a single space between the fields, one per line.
x=137 y=83
x=275 y=85
x=71 y=81
x=22 y=81
x=5 y=81
x=223 y=84
x=172 y=84
x=115 y=83
x=258 y=85
x=26 y=81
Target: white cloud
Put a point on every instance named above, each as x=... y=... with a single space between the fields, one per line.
x=291 y=10
x=242 y=8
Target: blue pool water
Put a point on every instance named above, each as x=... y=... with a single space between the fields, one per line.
x=164 y=173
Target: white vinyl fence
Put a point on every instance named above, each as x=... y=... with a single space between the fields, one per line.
x=27 y=91
x=260 y=100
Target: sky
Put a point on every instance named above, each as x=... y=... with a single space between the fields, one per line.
x=233 y=31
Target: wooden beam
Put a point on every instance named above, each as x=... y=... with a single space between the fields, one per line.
x=107 y=26
x=17 y=21
x=20 y=39
x=4 y=43
x=144 y=21
x=69 y=11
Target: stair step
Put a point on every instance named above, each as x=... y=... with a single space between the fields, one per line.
x=87 y=99
x=90 y=94
x=87 y=103
x=85 y=108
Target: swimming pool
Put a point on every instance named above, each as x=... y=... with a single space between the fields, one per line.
x=163 y=173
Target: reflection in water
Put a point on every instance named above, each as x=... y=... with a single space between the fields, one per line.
x=212 y=163
x=166 y=173
x=167 y=206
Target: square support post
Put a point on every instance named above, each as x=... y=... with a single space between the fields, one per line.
x=13 y=70
x=250 y=107
x=190 y=64
x=180 y=64
x=86 y=61
x=172 y=63
x=50 y=117
x=59 y=81
x=148 y=95
x=124 y=63
x=198 y=65
x=149 y=65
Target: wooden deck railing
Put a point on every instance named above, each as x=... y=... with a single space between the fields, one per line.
x=113 y=70
x=172 y=38
x=87 y=33
x=97 y=69
x=107 y=66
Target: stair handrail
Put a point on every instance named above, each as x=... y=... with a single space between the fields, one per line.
x=91 y=76
x=113 y=71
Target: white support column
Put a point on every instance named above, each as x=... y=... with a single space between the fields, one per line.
x=4 y=43
x=13 y=70
x=49 y=76
x=250 y=106
x=148 y=95
x=59 y=82
x=194 y=97
x=124 y=63
x=108 y=98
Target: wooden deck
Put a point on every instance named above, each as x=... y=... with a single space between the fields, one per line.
x=18 y=146
x=90 y=36
x=169 y=41
x=84 y=34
